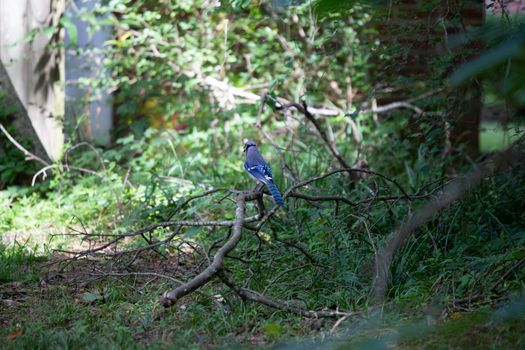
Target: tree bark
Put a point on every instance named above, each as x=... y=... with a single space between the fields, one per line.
x=424 y=33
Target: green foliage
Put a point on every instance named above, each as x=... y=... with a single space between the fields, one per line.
x=160 y=54
x=13 y=166
x=18 y=263
x=503 y=61
x=177 y=138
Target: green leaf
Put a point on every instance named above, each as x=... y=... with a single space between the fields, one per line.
x=518 y=255
x=48 y=31
x=509 y=49
x=273 y=329
x=90 y=297
x=71 y=29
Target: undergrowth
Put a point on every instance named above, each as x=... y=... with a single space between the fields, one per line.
x=468 y=256
x=448 y=284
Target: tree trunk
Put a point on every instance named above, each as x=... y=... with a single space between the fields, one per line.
x=423 y=30
x=21 y=119
x=36 y=67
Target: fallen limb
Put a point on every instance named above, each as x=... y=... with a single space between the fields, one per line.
x=261 y=299
x=216 y=263
x=502 y=161
x=171 y=297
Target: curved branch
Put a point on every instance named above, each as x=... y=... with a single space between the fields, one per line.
x=186 y=200
x=501 y=161
x=303 y=109
x=171 y=297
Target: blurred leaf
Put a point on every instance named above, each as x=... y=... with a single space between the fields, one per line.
x=14 y=334
x=48 y=31
x=89 y=297
x=273 y=329
x=512 y=48
x=71 y=29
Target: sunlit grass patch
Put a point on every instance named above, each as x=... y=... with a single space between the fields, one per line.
x=495 y=136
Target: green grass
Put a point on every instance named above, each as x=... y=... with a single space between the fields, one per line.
x=496 y=137
x=482 y=329
x=43 y=309
x=466 y=249
x=18 y=263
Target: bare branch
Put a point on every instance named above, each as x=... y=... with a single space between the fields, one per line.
x=321 y=198
x=61 y=167
x=286 y=169
x=171 y=297
x=501 y=161
x=228 y=92
x=190 y=198
x=261 y=299
x=25 y=126
x=303 y=109
x=29 y=155
x=88 y=145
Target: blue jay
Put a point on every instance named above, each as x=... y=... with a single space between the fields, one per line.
x=260 y=171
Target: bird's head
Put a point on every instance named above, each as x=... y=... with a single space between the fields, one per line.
x=248 y=144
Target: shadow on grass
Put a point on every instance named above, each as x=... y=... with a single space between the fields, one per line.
x=19 y=263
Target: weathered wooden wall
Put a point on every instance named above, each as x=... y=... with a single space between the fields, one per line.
x=36 y=70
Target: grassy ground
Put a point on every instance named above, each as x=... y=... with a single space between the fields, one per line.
x=483 y=329
x=44 y=308
x=468 y=261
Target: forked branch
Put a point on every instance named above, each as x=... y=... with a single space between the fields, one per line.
x=171 y=297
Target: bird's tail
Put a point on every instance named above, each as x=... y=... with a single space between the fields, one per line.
x=278 y=199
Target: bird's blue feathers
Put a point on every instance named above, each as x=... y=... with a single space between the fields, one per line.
x=261 y=172
x=275 y=193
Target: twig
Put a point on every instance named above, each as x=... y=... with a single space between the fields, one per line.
x=304 y=110
x=47 y=166
x=284 y=166
x=506 y=274
x=321 y=198
x=281 y=274
x=153 y=274
x=88 y=145
x=337 y=323
x=224 y=88
x=29 y=155
x=61 y=167
x=325 y=175
x=261 y=299
x=190 y=198
x=300 y=248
